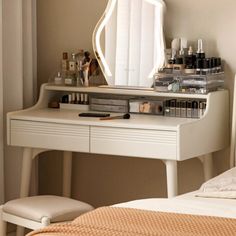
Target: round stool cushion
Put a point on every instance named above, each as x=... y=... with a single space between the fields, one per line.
x=56 y=208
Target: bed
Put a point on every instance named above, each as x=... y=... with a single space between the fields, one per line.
x=209 y=211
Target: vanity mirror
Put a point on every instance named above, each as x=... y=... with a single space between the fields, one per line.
x=128 y=41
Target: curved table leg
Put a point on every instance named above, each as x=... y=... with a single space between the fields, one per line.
x=207 y=161
x=171 y=177
x=67 y=173
x=26 y=172
x=28 y=155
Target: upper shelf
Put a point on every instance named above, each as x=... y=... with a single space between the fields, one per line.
x=117 y=91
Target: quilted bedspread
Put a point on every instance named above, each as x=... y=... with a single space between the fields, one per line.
x=112 y=221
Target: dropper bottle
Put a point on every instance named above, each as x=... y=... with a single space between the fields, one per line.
x=200 y=52
x=190 y=61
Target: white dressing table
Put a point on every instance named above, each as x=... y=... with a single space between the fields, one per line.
x=39 y=129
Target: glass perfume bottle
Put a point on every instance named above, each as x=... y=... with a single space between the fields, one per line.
x=72 y=63
x=58 y=80
x=69 y=80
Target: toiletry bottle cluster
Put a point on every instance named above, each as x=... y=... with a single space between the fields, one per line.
x=184 y=108
x=75 y=98
x=74 y=69
x=189 y=71
x=185 y=60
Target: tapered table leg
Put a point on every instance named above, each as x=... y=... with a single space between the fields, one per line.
x=172 y=178
x=208 y=166
x=67 y=172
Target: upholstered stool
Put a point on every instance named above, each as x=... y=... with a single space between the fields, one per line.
x=39 y=211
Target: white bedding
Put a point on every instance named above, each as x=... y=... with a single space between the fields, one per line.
x=216 y=197
x=187 y=204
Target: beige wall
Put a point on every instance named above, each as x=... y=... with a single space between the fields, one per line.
x=68 y=25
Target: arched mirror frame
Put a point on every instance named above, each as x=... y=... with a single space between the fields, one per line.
x=96 y=37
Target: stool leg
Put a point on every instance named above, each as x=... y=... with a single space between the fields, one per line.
x=3 y=228
x=20 y=231
x=45 y=221
x=3 y=224
x=25 y=180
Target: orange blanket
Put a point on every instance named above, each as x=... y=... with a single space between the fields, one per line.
x=111 y=221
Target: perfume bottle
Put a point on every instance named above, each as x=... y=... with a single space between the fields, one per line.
x=72 y=63
x=58 y=80
x=64 y=62
x=69 y=79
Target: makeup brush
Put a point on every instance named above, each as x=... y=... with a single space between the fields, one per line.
x=125 y=116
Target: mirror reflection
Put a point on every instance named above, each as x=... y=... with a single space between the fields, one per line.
x=129 y=42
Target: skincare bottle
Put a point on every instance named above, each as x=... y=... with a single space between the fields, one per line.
x=213 y=65
x=202 y=108
x=183 y=48
x=69 y=98
x=73 y=98
x=182 y=108
x=198 y=66
x=178 y=67
x=190 y=61
x=64 y=62
x=69 y=80
x=172 y=107
x=65 y=99
x=195 y=109
x=77 y=98
x=167 y=108
x=189 y=109
x=200 y=52
x=72 y=63
x=219 y=65
x=86 y=102
x=206 y=67
x=58 y=79
x=81 y=98
x=171 y=61
x=177 y=109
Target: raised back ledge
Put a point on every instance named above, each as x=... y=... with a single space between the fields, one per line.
x=125 y=91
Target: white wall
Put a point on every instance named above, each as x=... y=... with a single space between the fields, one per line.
x=68 y=25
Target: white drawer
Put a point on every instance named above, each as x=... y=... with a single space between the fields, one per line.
x=49 y=135
x=134 y=142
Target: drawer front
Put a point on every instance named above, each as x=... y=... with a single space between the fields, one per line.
x=49 y=135
x=134 y=142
